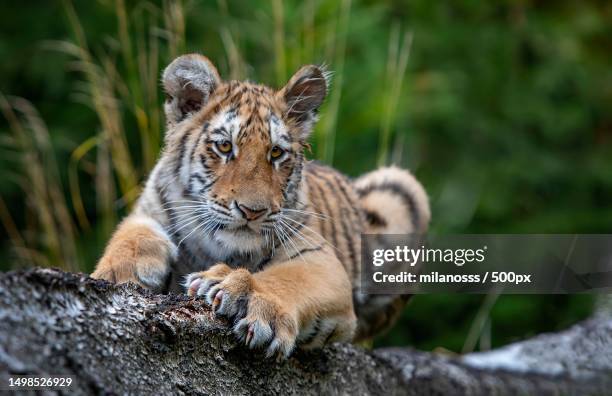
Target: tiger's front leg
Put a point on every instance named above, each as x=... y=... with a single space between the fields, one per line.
x=140 y=251
x=303 y=301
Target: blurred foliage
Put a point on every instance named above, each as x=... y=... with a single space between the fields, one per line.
x=502 y=109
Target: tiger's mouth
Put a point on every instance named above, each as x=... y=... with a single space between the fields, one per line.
x=246 y=228
x=241 y=237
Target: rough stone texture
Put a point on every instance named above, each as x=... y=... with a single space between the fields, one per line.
x=123 y=339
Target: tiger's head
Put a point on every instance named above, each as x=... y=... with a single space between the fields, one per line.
x=239 y=146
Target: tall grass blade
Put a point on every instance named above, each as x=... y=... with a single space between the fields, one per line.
x=397 y=62
x=327 y=133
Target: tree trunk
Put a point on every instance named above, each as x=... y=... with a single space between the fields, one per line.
x=123 y=339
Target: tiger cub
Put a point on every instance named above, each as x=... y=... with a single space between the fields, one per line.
x=233 y=213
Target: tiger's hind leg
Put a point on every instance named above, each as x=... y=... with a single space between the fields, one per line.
x=394 y=202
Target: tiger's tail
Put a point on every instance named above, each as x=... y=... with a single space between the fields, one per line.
x=393 y=202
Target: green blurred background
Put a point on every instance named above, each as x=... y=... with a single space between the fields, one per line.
x=502 y=109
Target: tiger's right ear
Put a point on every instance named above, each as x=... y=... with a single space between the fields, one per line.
x=188 y=82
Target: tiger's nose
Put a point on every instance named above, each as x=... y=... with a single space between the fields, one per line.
x=251 y=213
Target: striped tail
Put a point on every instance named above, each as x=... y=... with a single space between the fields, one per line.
x=394 y=202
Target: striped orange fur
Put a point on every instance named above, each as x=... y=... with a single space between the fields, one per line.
x=233 y=212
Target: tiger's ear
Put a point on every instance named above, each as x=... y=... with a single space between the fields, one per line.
x=188 y=82
x=303 y=95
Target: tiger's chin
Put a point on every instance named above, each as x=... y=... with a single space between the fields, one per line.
x=241 y=239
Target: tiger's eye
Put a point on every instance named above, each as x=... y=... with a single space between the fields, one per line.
x=224 y=146
x=276 y=152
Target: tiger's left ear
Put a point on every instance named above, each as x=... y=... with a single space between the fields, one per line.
x=303 y=95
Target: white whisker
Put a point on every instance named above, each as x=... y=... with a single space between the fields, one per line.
x=305 y=212
x=293 y=245
x=186 y=223
x=203 y=223
x=297 y=233
x=281 y=239
x=314 y=232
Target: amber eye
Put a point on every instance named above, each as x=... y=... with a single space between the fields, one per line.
x=225 y=146
x=276 y=152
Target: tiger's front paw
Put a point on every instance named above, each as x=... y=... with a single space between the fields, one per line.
x=150 y=272
x=199 y=283
x=268 y=325
x=260 y=320
x=139 y=252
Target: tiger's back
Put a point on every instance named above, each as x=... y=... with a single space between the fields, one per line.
x=386 y=201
